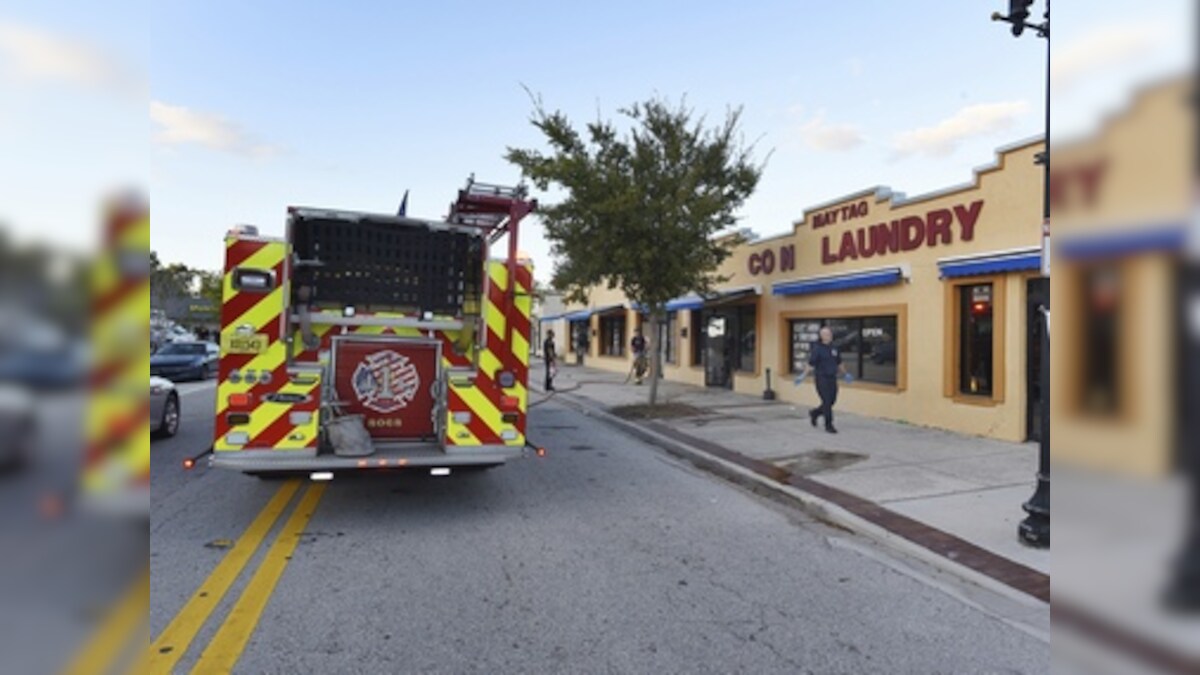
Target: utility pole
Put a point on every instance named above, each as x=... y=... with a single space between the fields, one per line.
x=1035 y=529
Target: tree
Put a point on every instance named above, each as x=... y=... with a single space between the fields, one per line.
x=168 y=281
x=642 y=207
x=211 y=286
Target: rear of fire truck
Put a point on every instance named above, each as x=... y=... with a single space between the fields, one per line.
x=406 y=329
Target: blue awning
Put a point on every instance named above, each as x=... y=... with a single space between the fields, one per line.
x=685 y=303
x=585 y=314
x=1024 y=260
x=694 y=301
x=841 y=282
x=1162 y=238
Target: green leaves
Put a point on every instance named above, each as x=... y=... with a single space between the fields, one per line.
x=642 y=206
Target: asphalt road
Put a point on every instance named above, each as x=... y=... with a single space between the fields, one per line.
x=606 y=556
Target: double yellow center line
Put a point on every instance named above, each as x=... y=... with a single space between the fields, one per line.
x=226 y=647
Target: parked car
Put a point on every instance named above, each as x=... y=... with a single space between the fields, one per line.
x=178 y=361
x=164 y=407
x=18 y=425
x=36 y=354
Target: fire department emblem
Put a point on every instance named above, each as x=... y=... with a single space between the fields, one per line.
x=385 y=381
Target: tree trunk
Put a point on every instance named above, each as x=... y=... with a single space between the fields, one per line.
x=655 y=354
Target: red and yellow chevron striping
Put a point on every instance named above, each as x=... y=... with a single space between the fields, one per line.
x=116 y=457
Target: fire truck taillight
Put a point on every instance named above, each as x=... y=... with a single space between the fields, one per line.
x=237 y=438
x=238 y=419
x=239 y=400
x=509 y=418
x=462 y=417
x=510 y=403
x=506 y=379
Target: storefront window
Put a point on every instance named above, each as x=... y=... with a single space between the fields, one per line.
x=804 y=333
x=747 y=337
x=1101 y=321
x=579 y=337
x=879 y=349
x=666 y=337
x=612 y=335
x=869 y=346
x=975 y=340
x=847 y=338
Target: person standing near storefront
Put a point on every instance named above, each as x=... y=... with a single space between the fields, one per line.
x=551 y=359
x=826 y=361
x=638 y=346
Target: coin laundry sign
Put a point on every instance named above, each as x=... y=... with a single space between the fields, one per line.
x=935 y=227
x=763 y=262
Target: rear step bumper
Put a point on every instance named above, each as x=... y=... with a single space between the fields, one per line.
x=389 y=456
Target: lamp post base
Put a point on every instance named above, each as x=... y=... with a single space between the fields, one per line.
x=1034 y=531
x=1183 y=595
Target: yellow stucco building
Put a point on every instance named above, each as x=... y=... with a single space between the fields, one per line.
x=934 y=299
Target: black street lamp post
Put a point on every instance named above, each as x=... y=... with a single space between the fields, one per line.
x=1035 y=529
x=1183 y=592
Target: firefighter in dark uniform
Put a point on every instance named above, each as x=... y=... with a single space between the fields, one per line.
x=826 y=362
x=550 y=356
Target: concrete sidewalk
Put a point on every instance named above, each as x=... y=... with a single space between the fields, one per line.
x=965 y=486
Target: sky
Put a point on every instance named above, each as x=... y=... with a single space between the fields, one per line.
x=228 y=112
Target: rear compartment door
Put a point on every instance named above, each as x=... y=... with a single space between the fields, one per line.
x=391 y=382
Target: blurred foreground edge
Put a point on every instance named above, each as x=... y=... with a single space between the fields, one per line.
x=116 y=457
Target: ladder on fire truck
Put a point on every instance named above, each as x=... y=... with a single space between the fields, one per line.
x=498 y=209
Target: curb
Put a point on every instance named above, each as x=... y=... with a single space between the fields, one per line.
x=819 y=508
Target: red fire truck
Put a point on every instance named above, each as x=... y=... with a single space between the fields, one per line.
x=365 y=342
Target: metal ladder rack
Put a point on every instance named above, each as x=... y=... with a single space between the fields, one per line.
x=498 y=210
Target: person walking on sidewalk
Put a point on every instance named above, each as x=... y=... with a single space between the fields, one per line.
x=638 y=346
x=551 y=359
x=825 y=360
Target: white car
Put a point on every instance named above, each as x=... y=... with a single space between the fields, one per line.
x=18 y=425
x=164 y=407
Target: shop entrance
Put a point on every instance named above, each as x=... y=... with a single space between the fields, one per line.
x=717 y=352
x=1037 y=293
x=579 y=340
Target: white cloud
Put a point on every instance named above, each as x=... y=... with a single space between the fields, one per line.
x=32 y=55
x=943 y=138
x=829 y=137
x=183 y=126
x=1097 y=51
